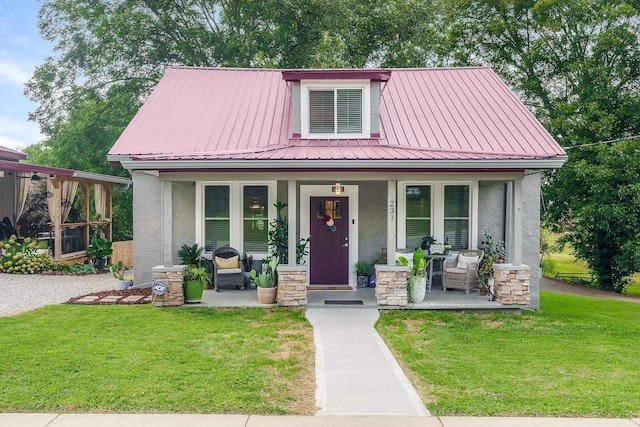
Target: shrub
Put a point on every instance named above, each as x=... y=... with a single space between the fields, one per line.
x=22 y=257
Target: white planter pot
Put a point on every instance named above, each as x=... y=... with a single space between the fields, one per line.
x=418 y=287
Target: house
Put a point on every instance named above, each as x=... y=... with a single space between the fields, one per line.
x=67 y=240
x=368 y=160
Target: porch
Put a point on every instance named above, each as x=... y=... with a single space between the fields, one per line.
x=435 y=300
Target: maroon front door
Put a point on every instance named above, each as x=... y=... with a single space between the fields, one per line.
x=329 y=246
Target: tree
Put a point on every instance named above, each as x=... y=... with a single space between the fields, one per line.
x=604 y=204
x=576 y=63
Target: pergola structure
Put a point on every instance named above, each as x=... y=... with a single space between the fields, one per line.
x=68 y=240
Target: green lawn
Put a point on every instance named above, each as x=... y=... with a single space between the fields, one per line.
x=578 y=356
x=565 y=262
x=69 y=358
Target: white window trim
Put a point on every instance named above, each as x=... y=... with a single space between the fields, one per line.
x=437 y=210
x=309 y=85
x=236 y=232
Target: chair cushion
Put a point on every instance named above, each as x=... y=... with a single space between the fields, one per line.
x=463 y=261
x=229 y=271
x=456 y=270
x=226 y=263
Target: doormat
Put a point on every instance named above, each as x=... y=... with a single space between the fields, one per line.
x=343 y=301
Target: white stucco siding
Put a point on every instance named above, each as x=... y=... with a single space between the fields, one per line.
x=146 y=225
x=531 y=233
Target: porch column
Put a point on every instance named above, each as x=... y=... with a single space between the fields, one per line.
x=392 y=209
x=56 y=218
x=293 y=221
x=515 y=250
x=512 y=280
x=166 y=219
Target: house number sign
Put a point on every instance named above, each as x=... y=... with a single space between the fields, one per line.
x=159 y=288
x=392 y=210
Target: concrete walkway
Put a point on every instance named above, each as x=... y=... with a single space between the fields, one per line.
x=356 y=374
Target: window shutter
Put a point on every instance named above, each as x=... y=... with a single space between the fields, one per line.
x=349 y=106
x=321 y=114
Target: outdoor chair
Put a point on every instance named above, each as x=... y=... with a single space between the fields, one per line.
x=226 y=268
x=461 y=272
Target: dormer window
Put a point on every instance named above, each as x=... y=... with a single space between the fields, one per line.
x=335 y=109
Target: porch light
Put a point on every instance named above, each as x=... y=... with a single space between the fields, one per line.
x=337 y=189
x=35 y=178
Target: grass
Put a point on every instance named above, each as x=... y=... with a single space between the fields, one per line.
x=566 y=262
x=70 y=358
x=578 y=356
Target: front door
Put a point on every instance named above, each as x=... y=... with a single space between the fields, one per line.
x=329 y=245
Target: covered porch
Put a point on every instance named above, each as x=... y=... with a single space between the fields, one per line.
x=66 y=240
x=361 y=298
x=377 y=222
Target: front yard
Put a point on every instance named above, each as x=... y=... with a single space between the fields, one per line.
x=577 y=357
x=69 y=358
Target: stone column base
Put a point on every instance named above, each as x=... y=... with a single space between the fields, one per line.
x=292 y=285
x=173 y=277
x=511 y=283
x=391 y=285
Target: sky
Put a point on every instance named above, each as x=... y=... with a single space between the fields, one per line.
x=21 y=50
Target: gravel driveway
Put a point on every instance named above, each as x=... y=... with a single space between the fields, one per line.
x=20 y=293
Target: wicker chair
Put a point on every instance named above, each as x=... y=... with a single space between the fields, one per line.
x=229 y=275
x=454 y=276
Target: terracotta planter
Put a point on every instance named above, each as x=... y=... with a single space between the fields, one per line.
x=267 y=295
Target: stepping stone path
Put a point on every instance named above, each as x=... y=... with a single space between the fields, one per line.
x=116 y=296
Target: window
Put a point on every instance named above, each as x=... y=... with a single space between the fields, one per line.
x=335 y=109
x=418 y=214
x=456 y=216
x=235 y=214
x=216 y=216
x=444 y=210
x=255 y=218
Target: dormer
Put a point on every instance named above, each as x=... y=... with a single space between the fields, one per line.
x=336 y=104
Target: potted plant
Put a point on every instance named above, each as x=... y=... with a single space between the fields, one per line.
x=417 y=282
x=247 y=265
x=267 y=281
x=494 y=253
x=362 y=272
x=117 y=270
x=278 y=238
x=426 y=243
x=194 y=279
x=190 y=255
x=447 y=246
x=100 y=249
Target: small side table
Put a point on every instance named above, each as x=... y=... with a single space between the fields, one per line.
x=434 y=258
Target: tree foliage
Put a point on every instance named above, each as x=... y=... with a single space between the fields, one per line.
x=575 y=63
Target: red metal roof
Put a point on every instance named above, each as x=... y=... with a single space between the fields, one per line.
x=446 y=114
x=9 y=154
